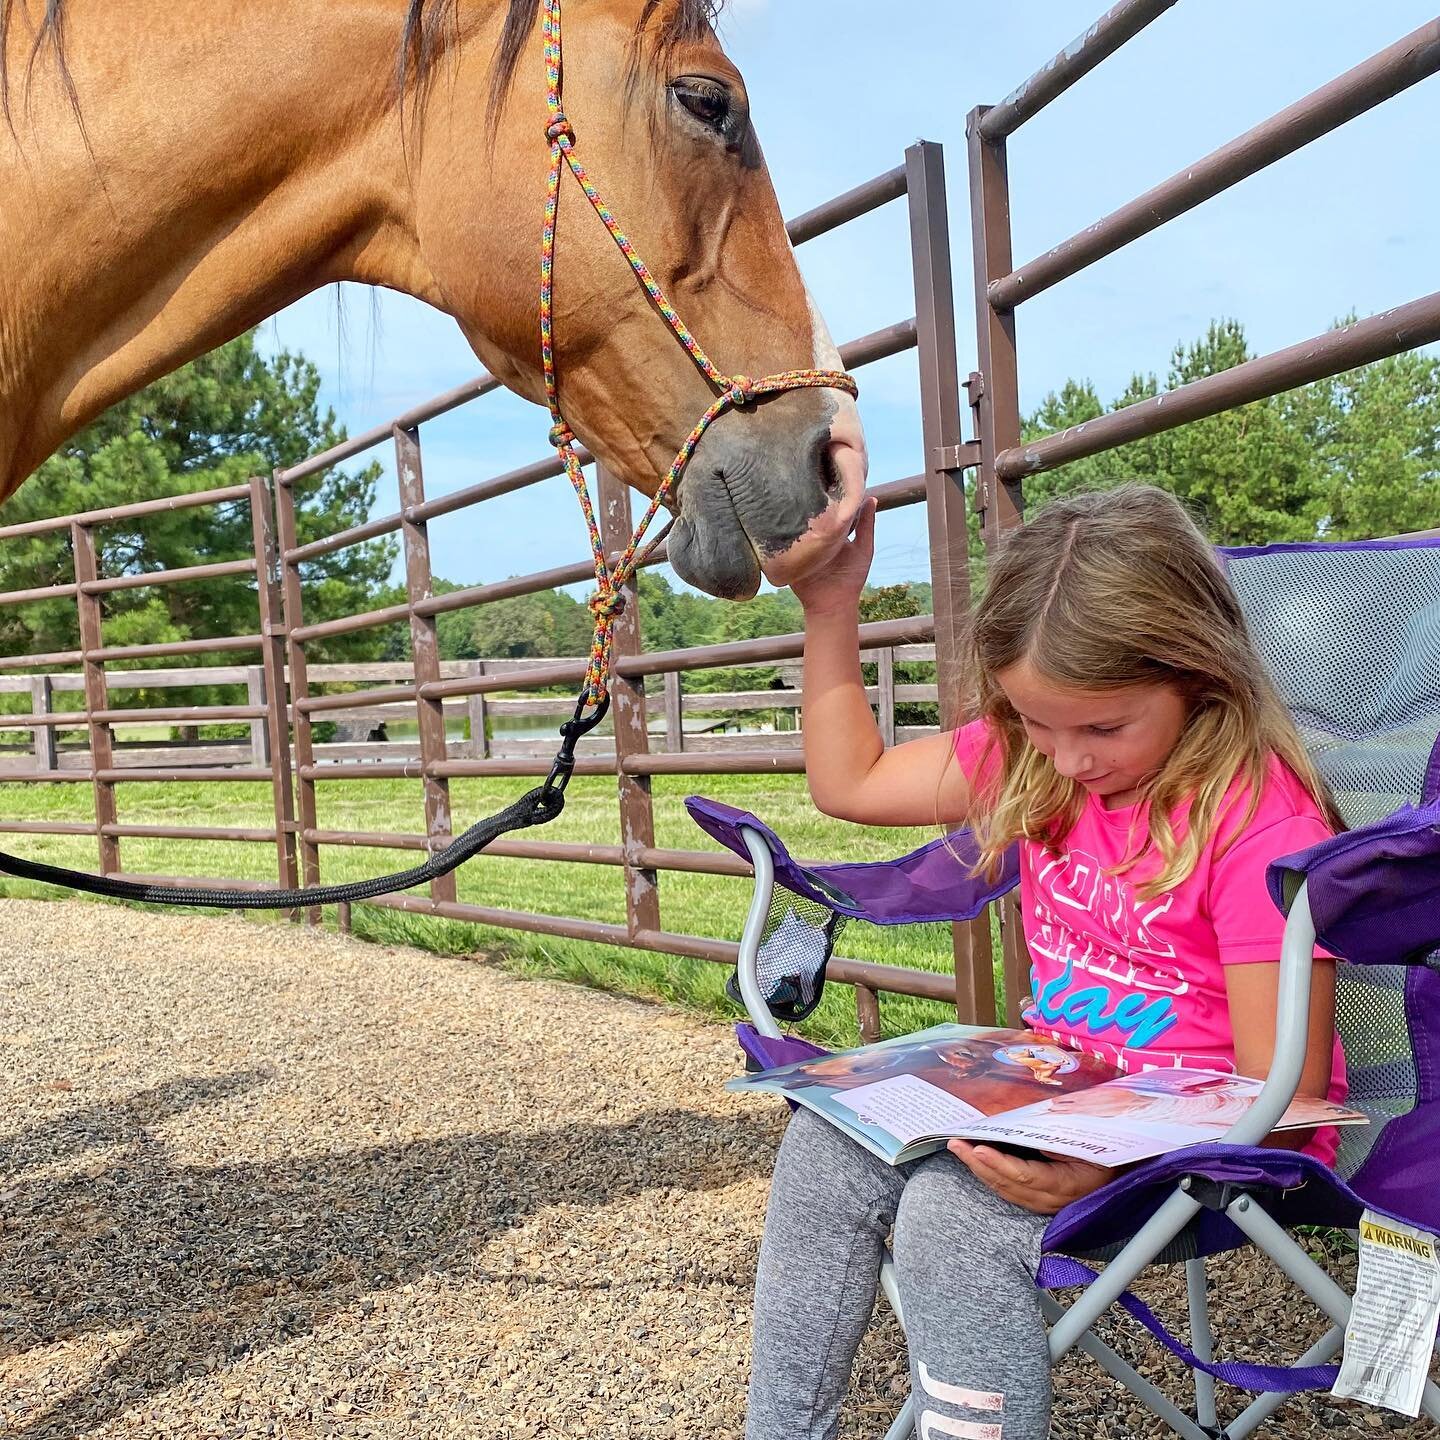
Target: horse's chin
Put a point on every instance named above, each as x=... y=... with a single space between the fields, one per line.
x=718 y=559
x=748 y=512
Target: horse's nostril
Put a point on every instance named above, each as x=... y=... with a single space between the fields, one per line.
x=830 y=477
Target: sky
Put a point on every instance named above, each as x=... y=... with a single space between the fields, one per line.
x=839 y=88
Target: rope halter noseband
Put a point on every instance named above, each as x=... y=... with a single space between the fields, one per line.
x=733 y=390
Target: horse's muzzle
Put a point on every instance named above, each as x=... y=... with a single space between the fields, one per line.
x=765 y=495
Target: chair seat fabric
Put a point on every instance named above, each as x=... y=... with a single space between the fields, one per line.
x=1296 y=1189
x=935 y=882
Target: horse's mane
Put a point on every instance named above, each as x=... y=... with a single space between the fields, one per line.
x=52 y=32
x=430 y=28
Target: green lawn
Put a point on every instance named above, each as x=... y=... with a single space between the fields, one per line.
x=692 y=904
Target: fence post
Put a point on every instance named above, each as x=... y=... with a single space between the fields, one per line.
x=270 y=739
x=997 y=403
x=995 y=399
x=42 y=696
x=293 y=603
x=945 y=507
x=425 y=652
x=885 y=696
x=627 y=710
x=867 y=1014
x=477 y=711
x=255 y=699
x=674 y=714
x=102 y=756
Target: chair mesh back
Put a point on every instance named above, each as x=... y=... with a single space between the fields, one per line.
x=1351 y=635
x=1352 y=639
x=795 y=946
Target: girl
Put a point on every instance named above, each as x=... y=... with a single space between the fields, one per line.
x=1125 y=734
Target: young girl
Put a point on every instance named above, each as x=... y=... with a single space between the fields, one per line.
x=1126 y=735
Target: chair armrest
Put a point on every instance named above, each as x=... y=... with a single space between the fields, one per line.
x=1374 y=892
x=1292 y=1028
x=745 y=968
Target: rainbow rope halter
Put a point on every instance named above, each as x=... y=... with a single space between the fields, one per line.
x=608 y=600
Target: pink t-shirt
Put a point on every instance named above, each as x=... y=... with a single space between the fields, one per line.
x=1113 y=974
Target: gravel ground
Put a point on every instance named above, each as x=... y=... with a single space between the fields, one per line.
x=264 y=1181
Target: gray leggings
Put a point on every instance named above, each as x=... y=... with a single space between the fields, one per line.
x=965 y=1262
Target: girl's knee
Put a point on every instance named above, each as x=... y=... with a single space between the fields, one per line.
x=946 y=1212
x=826 y=1173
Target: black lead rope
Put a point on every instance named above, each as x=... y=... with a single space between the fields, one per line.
x=540 y=806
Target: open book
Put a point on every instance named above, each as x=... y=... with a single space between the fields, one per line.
x=904 y=1098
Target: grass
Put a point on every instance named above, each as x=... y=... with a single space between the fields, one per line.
x=692 y=904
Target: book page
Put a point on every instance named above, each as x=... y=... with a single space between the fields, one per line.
x=1136 y=1116
x=914 y=1093
x=908 y=1108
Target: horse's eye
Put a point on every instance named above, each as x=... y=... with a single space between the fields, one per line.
x=707 y=100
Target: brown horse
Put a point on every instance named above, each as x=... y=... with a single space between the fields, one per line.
x=174 y=171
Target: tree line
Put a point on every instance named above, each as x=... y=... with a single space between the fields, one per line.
x=1350 y=457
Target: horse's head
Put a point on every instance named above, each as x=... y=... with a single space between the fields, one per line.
x=662 y=122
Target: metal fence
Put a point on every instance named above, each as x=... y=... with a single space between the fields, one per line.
x=1001 y=286
x=477 y=726
x=284 y=748
x=997 y=456
x=100 y=765
x=920 y=179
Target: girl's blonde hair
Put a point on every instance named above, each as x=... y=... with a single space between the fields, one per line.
x=1111 y=589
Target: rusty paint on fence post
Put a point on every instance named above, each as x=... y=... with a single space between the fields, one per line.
x=275 y=737
x=995 y=400
x=627 y=712
x=42 y=702
x=945 y=511
x=293 y=601
x=424 y=651
x=82 y=544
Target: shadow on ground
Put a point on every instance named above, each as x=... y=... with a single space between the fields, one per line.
x=212 y=1264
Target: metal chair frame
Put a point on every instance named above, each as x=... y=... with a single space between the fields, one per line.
x=1071 y=1327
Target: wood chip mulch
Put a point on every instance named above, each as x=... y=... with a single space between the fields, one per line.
x=261 y=1180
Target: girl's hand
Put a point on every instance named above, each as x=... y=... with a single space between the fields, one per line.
x=1043 y=1187
x=836 y=585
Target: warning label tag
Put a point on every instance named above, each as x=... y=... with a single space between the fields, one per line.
x=1390 y=1338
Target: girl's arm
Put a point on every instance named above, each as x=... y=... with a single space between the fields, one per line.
x=1253 y=993
x=851 y=774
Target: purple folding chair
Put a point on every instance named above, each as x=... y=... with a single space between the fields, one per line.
x=1351 y=633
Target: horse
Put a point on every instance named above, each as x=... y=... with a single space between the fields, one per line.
x=173 y=172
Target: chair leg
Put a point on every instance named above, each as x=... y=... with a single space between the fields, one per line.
x=1201 y=1341
x=889 y=1286
x=1144 y=1390
x=904 y=1426
x=1283 y=1250
x=1152 y=1237
x=1260 y=1410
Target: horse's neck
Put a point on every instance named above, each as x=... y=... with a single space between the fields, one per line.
x=222 y=173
